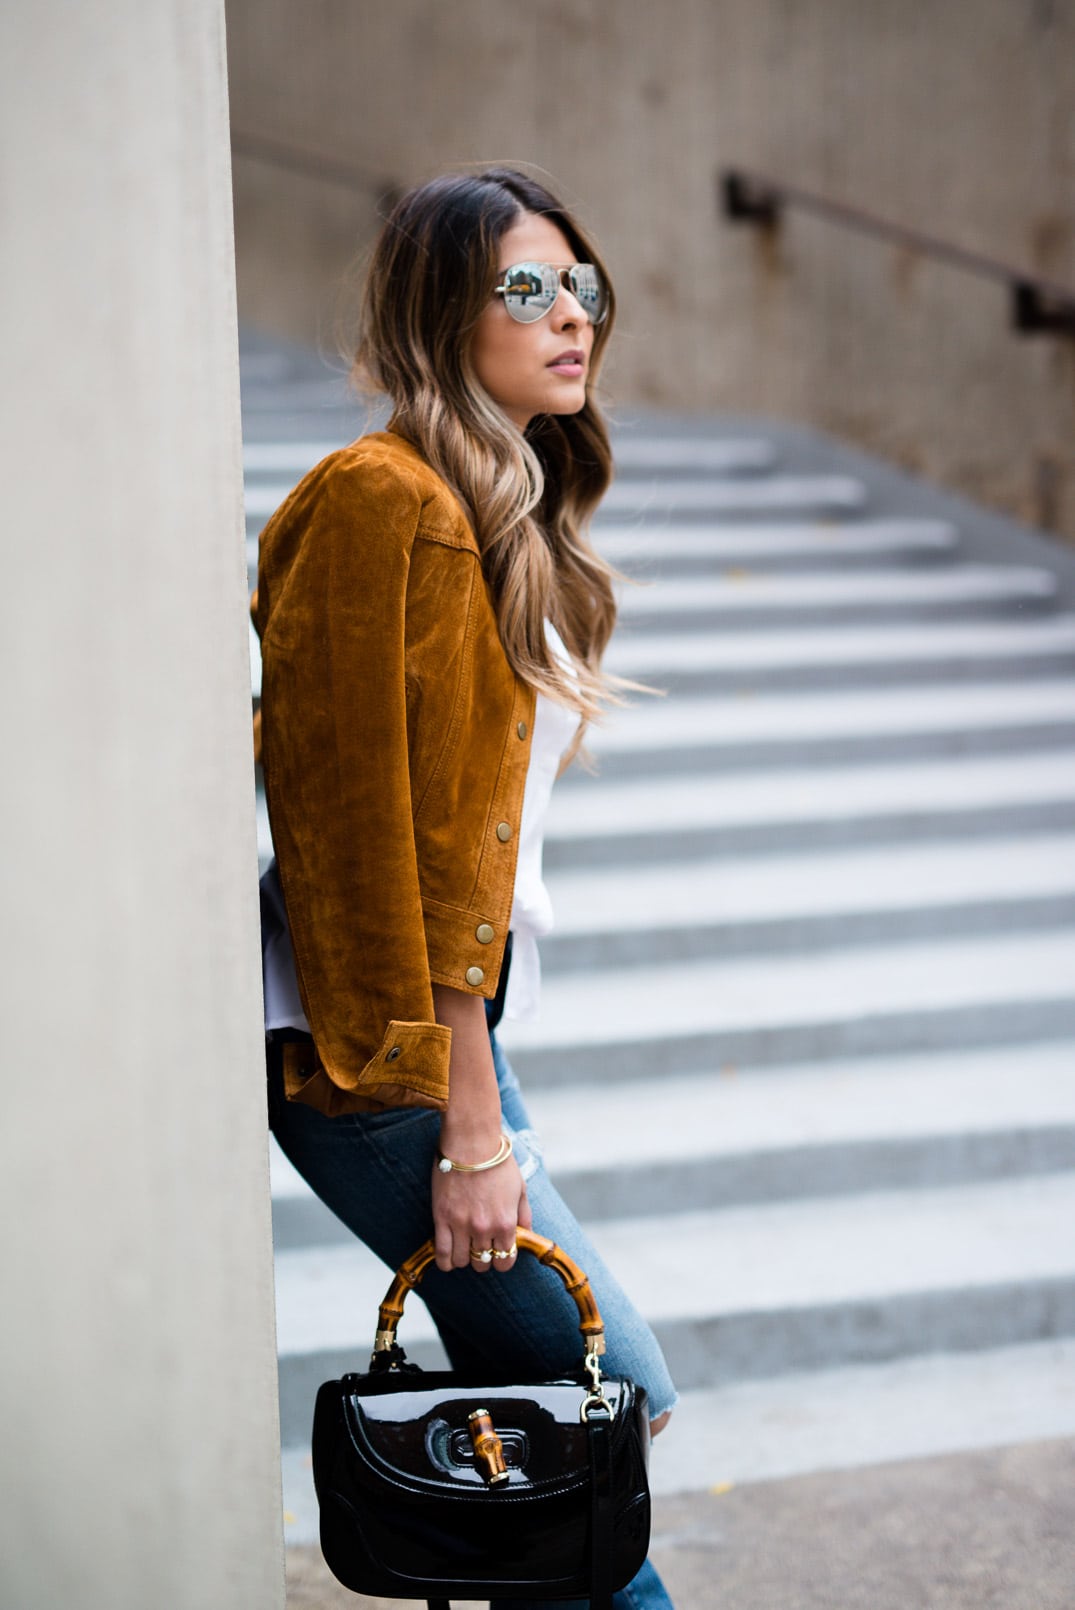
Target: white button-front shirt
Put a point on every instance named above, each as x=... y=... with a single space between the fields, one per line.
x=531 y=912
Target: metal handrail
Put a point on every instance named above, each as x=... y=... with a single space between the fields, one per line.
x=315 y=165
x=1038 y=304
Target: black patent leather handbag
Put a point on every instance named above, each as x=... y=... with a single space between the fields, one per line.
x=432 y=1487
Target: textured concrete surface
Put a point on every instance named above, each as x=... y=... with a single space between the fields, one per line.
x=985 y=1531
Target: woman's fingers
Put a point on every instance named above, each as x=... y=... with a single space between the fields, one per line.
x=505 y=1253
x=443 y=1242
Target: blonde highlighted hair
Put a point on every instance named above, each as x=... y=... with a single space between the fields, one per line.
x=529 y=496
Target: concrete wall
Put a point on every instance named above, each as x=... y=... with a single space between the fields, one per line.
x=951 y=118
x=139 y=1451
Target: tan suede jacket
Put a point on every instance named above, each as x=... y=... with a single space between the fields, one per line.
x=395 y=743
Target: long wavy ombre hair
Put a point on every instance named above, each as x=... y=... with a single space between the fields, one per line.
x=529 y=496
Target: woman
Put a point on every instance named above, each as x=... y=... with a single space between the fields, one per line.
x=432 y=619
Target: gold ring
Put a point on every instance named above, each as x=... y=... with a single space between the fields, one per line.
x=485 y=1256
x=512 y=1250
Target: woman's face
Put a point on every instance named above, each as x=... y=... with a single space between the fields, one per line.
x=517 y=363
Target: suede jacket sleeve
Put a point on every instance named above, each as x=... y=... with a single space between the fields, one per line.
x=373 y=615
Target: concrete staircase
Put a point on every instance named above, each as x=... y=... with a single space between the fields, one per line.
x=806 y=1062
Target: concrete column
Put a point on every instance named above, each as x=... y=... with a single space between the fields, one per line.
x=139 y=1445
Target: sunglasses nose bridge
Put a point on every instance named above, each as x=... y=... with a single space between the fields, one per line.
x=564 y=276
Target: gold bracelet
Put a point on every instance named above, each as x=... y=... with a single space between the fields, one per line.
x=503 y=1152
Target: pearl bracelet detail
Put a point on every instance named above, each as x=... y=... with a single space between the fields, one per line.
x=447 y=1166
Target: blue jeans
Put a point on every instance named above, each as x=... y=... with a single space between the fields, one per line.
x=373 y=1170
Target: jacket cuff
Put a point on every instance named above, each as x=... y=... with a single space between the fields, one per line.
x=465 y=948
x=409 y=1069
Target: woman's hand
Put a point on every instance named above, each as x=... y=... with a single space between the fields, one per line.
x=473 y=1213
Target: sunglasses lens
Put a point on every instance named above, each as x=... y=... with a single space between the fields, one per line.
x=589 y=289
x=530 y=289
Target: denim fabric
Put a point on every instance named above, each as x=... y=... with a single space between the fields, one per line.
x=646 y=1591
x=374 y=1171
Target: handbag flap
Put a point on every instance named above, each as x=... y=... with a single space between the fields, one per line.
x=418 y=1434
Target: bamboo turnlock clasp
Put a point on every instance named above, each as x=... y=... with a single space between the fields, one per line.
x=488 y=1448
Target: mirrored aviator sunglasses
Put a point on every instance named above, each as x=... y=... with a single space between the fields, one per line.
x=530 y=290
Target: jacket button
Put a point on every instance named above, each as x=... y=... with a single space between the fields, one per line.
x=475 y=976
x=396 y=1051
x=521 y=729
x=484 y=934
x=503 y=831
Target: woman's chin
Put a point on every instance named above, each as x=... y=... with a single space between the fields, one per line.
x=569 y=404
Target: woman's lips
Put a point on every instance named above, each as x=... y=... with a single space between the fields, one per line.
x=568 y=363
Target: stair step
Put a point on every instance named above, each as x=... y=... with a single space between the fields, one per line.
x=285 y=462
x=812 y=1129
x=753 y=593
x=639 y=455
x=866 y=1414
x=752 y=1292
x=848 y=650
x=848 y=1102
x=741 y=729
x=661 y=1019
x=755 y=1291
x=766 y=808
x=790 y=901
x=814 y=540
x=660 y=499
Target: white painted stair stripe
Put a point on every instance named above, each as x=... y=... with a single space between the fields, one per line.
x=717 y=455
x=771 y=1258
x=263 y=498
x=595 y=806
x=845 y=1102
x=768 y=492
x=817 y=1251
x=656 y=544
x=738 y=719
x=862 y=1415
x=895 y=877
x=744 y=589
x=666 y=1002
x=281 y=459
x=639 y=654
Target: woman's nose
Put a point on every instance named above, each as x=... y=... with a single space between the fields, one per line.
x=568 y=310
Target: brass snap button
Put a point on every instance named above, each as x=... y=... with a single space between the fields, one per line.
x=396 y=1051
x=521 y=729
x=475 y=976
x=503 y=831
x=484 y=934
